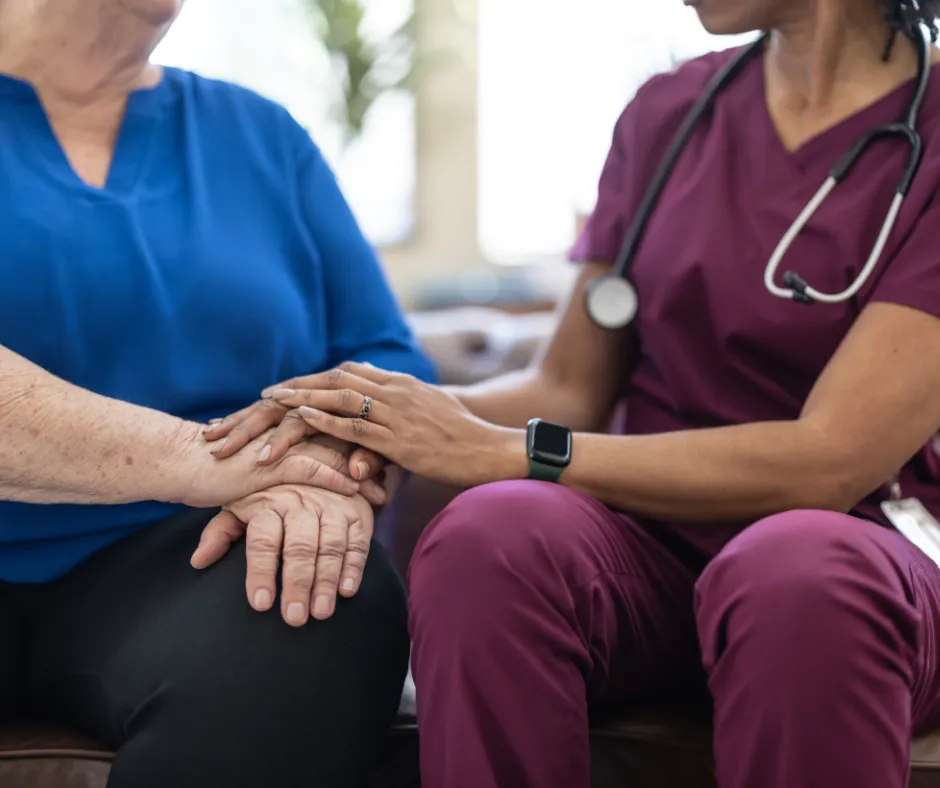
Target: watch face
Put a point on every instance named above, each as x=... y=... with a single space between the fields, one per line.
x=550 y=443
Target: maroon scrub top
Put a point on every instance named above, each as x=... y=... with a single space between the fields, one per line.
x=716 y=348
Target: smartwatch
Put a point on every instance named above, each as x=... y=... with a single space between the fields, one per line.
x=549 y=448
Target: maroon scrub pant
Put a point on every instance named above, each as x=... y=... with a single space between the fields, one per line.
x=818 y=635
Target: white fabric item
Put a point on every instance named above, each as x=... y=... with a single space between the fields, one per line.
x=408 y=705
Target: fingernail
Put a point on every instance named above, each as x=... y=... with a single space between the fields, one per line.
x=309 y=412
x=266 y=394
x=349 y=584
x=322 y=606
x=262 y=599
x=213 y=422
x=265 y=454
x=282 y=393
x=363 y=469
x=296 y=613
x=220 y=446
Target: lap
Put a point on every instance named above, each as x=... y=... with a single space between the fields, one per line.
x=530 y=522
x=868 y=571
x=624 y=586
x=529 y=549
x=136 y=623
x=12 y=653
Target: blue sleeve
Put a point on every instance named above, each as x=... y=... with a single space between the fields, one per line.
x=364 y=320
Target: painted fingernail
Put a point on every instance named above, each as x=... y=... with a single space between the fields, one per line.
x=363 y=469
x=262 y=599
x=282 y=393
x=322 y=606
x=308 y=412
x=265 y=454
x=220 y=446
x=296 y=613
x=349 y=584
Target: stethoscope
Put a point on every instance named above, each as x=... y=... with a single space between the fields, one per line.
x=612 y=301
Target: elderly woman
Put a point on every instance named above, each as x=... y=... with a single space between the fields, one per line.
x=168 y=246
x=735 y=531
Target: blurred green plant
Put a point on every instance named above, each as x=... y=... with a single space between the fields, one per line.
x=368 y=68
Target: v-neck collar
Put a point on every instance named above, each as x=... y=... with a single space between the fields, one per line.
x=132 y=145
x=842 y=135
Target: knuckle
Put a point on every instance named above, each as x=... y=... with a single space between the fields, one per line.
x=268 y=407
x=345 y=398
x=357 y=553
x=332 y=549
x=335 y=460
x=262 y=542
x=300 y=552
x=297 y=582
x=316 y=471
x=293 y=422
x=358 y=427
x=240 y=429
x=335 y=377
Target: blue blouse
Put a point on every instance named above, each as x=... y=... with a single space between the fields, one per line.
x=219 y=258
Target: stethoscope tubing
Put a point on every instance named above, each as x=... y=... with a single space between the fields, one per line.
x=796 y=288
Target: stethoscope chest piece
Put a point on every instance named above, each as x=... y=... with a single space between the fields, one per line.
x=612 y=302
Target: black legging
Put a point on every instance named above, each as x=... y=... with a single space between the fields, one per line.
x=173 y=669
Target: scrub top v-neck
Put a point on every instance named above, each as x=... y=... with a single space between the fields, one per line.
x=715 y=347
x=219 y=258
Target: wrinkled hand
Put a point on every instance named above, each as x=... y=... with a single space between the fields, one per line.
x=240 y=429
x=213 y=483
x=320 y=541
x=418 y=426
x=310 y=463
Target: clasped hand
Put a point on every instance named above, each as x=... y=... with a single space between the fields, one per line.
x=417 y=426
x=322 y=537
x=316 y=532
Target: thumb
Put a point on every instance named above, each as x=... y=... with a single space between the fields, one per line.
x=218 y=536
x=365 y=464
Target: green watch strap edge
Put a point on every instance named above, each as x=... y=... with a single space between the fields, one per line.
x=543 y=472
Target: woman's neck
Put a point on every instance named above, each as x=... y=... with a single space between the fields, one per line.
x=825 y=64
x=832 y=56
x=78 y=51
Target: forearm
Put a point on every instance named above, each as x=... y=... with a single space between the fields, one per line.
x=63 y=444
x=728 y=474
x=513 y=399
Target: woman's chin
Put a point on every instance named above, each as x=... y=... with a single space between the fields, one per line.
x=159 y=13
x=722 y=18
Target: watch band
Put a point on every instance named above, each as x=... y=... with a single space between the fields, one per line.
x=543 y=472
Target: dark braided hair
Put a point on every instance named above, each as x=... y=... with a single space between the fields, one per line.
x=905 y=16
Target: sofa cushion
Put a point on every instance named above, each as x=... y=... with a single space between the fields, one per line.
x=655 y=745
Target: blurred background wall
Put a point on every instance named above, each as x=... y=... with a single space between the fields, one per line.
x=467 y=134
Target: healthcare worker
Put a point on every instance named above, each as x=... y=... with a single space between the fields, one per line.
x=739 y=517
